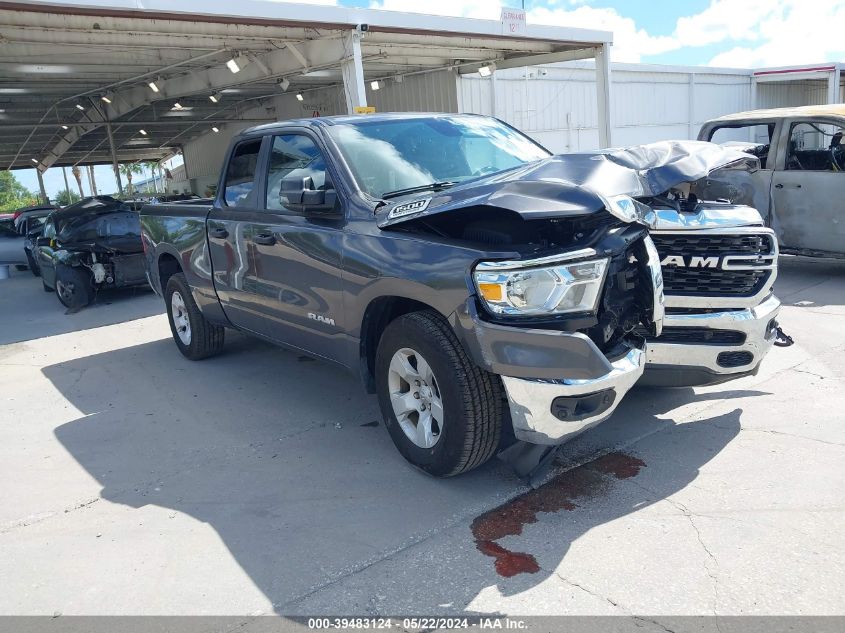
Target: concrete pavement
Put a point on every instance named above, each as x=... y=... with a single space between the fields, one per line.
x=136 y=482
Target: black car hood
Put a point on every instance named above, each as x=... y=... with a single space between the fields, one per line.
x=573 y=184
x=92 y=206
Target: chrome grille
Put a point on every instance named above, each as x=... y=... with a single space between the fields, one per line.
x=739 y=263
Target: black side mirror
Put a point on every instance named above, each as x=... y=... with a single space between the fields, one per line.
x=299 y=194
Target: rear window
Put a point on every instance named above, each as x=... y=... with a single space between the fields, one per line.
x=91 y=228
x=240 y=175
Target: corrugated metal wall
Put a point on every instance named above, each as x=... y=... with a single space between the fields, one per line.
x=429 y=92
x=557 y=104
x=793 y=93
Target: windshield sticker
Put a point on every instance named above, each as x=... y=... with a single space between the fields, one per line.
x=408 y=208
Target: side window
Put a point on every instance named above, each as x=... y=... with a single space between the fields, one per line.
x=815 y=146
x=294 y=155
x=753 y=139
x=240 y=175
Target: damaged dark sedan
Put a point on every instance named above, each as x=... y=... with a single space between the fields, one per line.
x=88 y=246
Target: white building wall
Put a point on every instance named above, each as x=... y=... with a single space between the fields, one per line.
x=557 y=104
x=791 y=93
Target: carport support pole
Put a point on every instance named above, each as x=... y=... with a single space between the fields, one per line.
x=352 y=68
x=833 y=84
x=603 y=94
x=114 y=159
x=44 y=197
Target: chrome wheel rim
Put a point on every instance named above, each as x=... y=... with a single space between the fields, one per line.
x=415 y=397
x=65 y=291
x=181 y=323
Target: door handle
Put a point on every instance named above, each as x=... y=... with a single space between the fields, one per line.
x=778 y=186
x=264 y=238
x=219 y=232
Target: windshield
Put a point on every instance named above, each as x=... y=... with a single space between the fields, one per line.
x=387 y=156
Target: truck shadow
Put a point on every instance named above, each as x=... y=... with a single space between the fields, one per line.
x=287 y=460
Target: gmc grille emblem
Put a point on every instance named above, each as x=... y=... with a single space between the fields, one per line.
x=695 y=261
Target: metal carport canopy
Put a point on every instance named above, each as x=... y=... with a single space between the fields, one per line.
x=72 y=75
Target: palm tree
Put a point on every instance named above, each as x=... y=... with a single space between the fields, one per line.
x=78 y=175
x=151 y=165
x=92 y=179
x=128 y=169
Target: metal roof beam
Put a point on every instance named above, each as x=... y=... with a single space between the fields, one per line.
x=279 y=62
x=536 y=60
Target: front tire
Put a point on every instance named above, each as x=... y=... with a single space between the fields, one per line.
x=195 y=336
x=74 y=287
x=443 y=413
x=33 y=265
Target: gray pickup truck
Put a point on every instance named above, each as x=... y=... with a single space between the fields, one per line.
x=478 y=284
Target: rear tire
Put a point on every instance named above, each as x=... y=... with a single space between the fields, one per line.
x=422 y=373
x=195 y=336
x=74 y=287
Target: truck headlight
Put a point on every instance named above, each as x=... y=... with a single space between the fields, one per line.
x=549 y=290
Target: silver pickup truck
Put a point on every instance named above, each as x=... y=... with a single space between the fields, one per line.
x=798 y=188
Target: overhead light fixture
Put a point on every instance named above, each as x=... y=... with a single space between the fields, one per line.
x=65 y=127
x=215 y=98
x=374 y=85
x=108 y=97
x=154 y=85
x=143 y=132
x=215 y=129
x=487 y=70
x=177 y=106
x=79 y=106
x=233 y=64
x=299 y=97
x=399 y=78
x=284 y=84
x=34 y=160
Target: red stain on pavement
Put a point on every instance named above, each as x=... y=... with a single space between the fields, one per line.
x=619 y=465
x=509 y=563
x=558 y=494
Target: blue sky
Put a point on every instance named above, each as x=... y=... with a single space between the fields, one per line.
x=727 y=33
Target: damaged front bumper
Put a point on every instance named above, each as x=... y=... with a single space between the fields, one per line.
x=546 y=408
x=549 y=412
x=712 y=347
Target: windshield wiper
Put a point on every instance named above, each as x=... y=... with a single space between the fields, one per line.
x=434 y=186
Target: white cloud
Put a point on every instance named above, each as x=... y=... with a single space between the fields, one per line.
x=724 y=20
x=630 y=43
x=768 y=32
x=753 y=33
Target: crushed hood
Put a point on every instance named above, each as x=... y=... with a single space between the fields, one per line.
x=574 y=184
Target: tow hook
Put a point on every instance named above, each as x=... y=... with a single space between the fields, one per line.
x=782 y=339
x=530 y=462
